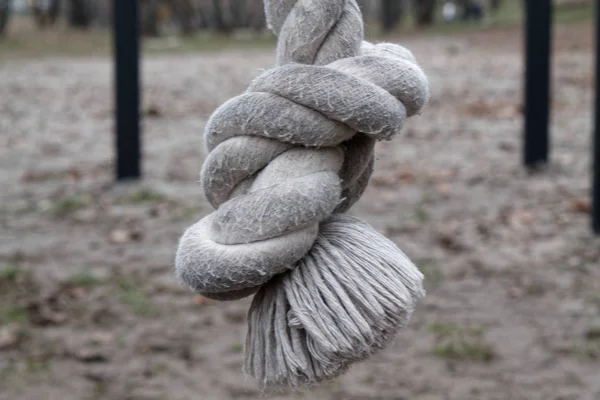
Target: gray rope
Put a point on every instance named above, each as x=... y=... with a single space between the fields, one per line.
x=286 y=159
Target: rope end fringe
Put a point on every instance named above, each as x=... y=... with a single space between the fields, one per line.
x=345 y=301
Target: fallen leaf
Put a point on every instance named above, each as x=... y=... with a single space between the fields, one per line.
x=121 y=236
x=159 y=210
x=101 y=337
x=90 y=355
x=9 y=336
x=451 y=243
x=405 y=175
x=381 y=181
x=580 y=205
x=235 y=316
x=508 y=147
x=441 y=176
x=96 y=376
x=508 y=112
x=43 y=315
x=75 y=174
x=447 y=236
x=523 y=217
x=443 y=189
x=449 y=228
x=137 y=235
x=153 y=111
x=78 y=292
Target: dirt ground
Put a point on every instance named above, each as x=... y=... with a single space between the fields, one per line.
x=89 y=305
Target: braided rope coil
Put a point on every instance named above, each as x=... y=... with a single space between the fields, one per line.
x=286 y=159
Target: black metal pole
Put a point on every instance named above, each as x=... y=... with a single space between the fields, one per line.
x=538 y=32
x=596 y=155
x=127 y=88
x=5 y=11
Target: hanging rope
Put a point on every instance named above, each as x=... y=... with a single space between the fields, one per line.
x=287 y=159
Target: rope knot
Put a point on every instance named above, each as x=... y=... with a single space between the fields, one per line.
x=286 y=158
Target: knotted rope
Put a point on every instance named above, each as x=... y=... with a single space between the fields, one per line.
x=286 y=159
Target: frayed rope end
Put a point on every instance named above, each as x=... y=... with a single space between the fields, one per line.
x=342 y=303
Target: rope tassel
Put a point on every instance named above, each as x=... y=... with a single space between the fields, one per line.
x=341 y=303
x=287 y=159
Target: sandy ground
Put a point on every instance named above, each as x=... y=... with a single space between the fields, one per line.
x=89 y=305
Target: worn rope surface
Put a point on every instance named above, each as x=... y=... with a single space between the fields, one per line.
x=286 y=159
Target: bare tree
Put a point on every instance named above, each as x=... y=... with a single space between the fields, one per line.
x=370 y=8
x=185 y=14
x=254 y=15
x=4 y=14
x=424 y=12
x=45 y=12
x=223 y=16
x=150 y=25
x=54 y=11
x=99 y=12
x=220 y=23
x=237 y=11
x=392 y=12
x=79 y=14
x=471 y=9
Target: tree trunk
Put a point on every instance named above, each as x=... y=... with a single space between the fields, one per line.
x=203 y=18
x=39 y=14
x=371 y=9
x=79 y=16
x=45 y=13
x=149 y=18
x=424 y=12
x=219 y=19
x=259 y=23
x=4 y=14
x=255 y=16
x=463 y=7
x=392 y=12
x=185 y=14
x=54 y=11
x=238 y=12
x=101 y=12
x=495 y=5
x=471 y=10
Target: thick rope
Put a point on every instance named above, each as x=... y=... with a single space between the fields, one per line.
x=286 y=159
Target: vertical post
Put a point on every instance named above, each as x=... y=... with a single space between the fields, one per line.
x=538 y=32
x=596 y=154
x=5 y=11
x=127 y=88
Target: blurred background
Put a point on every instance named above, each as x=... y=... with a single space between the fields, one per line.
x=90 y=309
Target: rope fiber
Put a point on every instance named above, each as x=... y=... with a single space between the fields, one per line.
x=286 y=160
